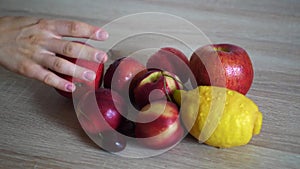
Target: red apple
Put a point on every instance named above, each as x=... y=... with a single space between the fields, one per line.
x=100 y=110
x=120 y=73
x=153 y=85
x=127 y=127
x=158 y=125
x=171 y=60
x=223 y=65
x=83 y=86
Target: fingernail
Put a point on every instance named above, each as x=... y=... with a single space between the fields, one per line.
x=70 y=87
x=89 y=75
x=102 y=35
x=101 y=57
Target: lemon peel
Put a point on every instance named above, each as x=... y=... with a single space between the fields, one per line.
x=218 y=116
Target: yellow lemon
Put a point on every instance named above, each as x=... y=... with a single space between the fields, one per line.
x=218 y=116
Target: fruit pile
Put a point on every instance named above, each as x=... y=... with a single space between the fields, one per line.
x=153 y=104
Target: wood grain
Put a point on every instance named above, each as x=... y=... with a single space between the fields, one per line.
x=39 y=128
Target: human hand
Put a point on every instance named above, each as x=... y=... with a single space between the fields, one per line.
x=28 y=46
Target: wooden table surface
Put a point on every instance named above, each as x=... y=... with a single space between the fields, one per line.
x=39 y=128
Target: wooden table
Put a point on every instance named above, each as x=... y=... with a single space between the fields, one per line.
x=39 y=128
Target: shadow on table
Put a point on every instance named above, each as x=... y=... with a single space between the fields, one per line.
x=60 y=112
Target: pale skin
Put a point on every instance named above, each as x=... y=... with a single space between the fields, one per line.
x=29 y=46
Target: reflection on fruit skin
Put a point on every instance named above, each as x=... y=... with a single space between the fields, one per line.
x=172 y=60
x=101 y=110
x=223 y=65
x=158 y=125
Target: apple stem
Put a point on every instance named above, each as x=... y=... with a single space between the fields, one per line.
x=165 y=84
x=164 y=74
x=165 y=87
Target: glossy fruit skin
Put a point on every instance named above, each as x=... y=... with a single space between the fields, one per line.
x=156 y=84
x=82 y=86
x=120 y=73
x=172 y=60
x=223 y=65
x=101 y=110
x=159 y=127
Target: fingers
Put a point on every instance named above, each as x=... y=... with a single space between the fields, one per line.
x=63 y=66
x=55 y=81
x=41 y=39
x=38 y=72
x=77 y=29
x=69 y=49
x=38 y=69
x=75 y=50
x=74 y=29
